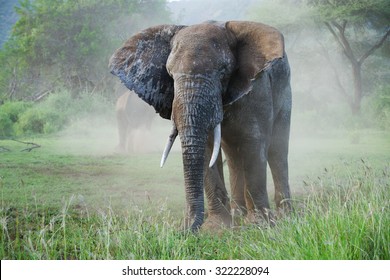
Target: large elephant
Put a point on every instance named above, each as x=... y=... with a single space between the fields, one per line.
x=221 y=84
x=131 y=115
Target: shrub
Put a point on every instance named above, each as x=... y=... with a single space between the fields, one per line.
x=59 y=110
x=9 y=116
x=39 y=120
x=51 y=115
x=377 y=108
x=5 y=125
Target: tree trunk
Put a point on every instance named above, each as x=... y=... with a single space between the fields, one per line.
x=341 y=39
x=357 y=86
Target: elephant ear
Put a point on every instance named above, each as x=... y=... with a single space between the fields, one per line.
x=256 y=46
x=140 y=65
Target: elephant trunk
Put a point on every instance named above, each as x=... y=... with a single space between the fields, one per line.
x=193 y=142
x=197 y=110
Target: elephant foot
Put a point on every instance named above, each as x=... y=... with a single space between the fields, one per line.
x=238 y=216
x=284 y=211
x=216 y=223
x=264 y=217
x=284 y=207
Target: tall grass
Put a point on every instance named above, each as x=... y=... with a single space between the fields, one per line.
x=348 y=218
x=343 y=215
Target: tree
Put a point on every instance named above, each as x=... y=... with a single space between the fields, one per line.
x=68 y=42
x=360 y=27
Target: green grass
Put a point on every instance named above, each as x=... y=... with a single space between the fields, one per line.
x=70 y=199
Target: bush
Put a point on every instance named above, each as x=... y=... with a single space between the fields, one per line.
x=53 y=114
x=9 y=116
x=47 y=117
x=5 y=125
x=377 y=108
x=38 y=120
x=382 y=107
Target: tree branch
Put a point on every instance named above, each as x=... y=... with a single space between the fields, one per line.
x=373 y=48
x=336 y=73
x=342 y=39
x=4 y=149
x=329 y=26
x=344 y=25
x=34 y=145
x=338 y=26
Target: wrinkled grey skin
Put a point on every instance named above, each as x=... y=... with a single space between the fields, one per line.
x=235 y=74
x=130 y=115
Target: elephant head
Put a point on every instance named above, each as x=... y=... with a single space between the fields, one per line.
x=188 y=74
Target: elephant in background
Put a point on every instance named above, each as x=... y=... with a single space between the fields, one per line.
x=131 y=114
x=222 y=85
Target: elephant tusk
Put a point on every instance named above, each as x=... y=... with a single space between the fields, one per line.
x=217 y=145
x=168 y=147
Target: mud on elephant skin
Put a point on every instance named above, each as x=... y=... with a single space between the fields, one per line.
x=222 y=85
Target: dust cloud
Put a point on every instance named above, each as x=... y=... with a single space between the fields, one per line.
x=97 y=135
x=322 y=123
x=316 y=92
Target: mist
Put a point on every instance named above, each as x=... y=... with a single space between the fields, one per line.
x=75 y=195
x=321 y=76
x=322 y=122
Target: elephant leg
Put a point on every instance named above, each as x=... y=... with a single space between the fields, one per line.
x=217 y=196
x=122 y=131
x=130 y=140
x=277 y=159
x=237 y=182
x=255 y=174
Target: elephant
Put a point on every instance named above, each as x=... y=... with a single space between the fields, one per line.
x=131 y=114
x=223 y=85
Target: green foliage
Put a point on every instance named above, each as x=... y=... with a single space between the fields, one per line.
x=57 y=205
x=364 y=22
x=8 y=18
x=9 y=115
x=380 y=104
x=51 y=115
x=59 y=32
x=368 y=12
x=60 y=206
x=39 y=120
x=68 y=43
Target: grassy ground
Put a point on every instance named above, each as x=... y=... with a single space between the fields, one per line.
x=73 y=199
